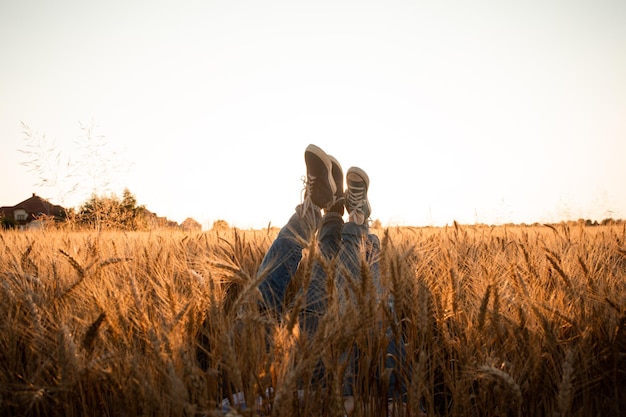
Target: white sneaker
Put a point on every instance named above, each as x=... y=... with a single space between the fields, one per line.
x=357 y=204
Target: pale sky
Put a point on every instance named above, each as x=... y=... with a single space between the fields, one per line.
x=475 y=111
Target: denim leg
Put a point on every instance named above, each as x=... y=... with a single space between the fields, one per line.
x=395 y=360
x=283 y=257
x=356 y=243
x=329 y=241
x=329 y=237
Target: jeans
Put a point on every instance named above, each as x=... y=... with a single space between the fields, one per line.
x=351 y=244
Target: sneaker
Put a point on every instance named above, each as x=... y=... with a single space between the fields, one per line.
x=337 y=206
x=320 y=184
x=357 y=203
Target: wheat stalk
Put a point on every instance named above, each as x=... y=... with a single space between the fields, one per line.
x=565 y=393
x=508 y=381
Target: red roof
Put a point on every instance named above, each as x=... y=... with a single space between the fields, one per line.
x=35 y=206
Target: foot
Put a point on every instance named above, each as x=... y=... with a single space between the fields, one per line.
x=357 y=203
x=337 y=206
x=320 y=184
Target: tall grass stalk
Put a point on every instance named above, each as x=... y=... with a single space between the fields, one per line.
x=495 y=321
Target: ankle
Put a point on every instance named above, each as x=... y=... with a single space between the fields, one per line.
x=338 y=208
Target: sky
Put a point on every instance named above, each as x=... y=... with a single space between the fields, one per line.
x=475 y=111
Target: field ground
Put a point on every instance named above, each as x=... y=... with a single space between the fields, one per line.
x=497 y=321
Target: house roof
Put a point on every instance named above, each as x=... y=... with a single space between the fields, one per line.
x=36 y=205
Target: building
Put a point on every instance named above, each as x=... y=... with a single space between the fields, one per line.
x=31 y=212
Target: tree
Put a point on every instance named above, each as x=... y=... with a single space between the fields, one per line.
x=191 y=225
x=7 y=222
x=135 y=215
x=220 y=225
x=109 y=212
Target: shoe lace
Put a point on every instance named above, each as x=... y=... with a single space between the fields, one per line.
x=356 y=197
x=308 y=182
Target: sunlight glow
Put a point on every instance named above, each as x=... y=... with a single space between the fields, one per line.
x=486 y=112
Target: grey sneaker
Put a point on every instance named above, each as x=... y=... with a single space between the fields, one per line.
x=338 y=201
x=357 y=204
x=320 y=184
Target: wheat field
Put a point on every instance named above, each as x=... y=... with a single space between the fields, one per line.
x=496 y=321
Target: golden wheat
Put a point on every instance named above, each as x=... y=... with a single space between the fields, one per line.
x=494 y=320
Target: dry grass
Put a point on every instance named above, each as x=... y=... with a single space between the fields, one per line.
x=497 y=322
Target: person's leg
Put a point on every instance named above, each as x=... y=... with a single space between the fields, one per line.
x=360 y=249
x=355 y=249
x=330 y=234
x=281 y=261
x=329 y=238
x=358 y=244
x=329 y=241
x=283 y=257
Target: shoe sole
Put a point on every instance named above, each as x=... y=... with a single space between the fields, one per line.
x=335 y=163
x=356 y=174
x=323 y=156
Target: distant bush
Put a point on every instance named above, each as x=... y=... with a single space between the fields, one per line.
x=191 y=225
x=112 y=213
x=7 y=222
x=220 y=225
